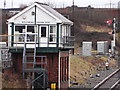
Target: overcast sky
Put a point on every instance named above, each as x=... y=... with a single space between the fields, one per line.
x=62 y=3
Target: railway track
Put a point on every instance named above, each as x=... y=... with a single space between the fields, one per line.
x=109 y=83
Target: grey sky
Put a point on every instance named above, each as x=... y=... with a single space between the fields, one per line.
x=62 y=3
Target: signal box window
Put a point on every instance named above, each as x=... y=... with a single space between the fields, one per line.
x=43 y=31
x=19 y=29
x=30 y=29
x=52 y=34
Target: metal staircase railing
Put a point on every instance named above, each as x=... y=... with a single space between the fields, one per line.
x=40 y=72
x=28 y=54
x=24 y=52
x=35 y=51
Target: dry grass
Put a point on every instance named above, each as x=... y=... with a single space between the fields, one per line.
x=96 y=29
x=80 y=64
x=13 y=81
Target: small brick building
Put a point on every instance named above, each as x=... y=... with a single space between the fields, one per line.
x=40 y=40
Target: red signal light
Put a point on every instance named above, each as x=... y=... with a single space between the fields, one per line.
x=105 y=21
x=108 y=21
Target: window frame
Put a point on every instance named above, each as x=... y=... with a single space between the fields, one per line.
x=25 y=33
x=15 y=33
x=40 y=26
x=54 y=33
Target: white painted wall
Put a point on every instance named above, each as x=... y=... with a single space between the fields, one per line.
x=43 y=17
x=26 y=18
x=9 y=33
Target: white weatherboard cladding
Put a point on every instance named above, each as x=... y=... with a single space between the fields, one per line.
x=26 y=18
x=57 y=15
x=43 y=17
x=48 y=10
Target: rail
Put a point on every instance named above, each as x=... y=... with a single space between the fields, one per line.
x=106 y=79
x=113 y=86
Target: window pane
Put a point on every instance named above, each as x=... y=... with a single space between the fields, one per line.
x=52 y=38
x=30 y=29
x=30 y=38
x=51 y=29
x=19 y=29
x=43 y=31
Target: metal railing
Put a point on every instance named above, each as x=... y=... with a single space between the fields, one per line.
x=65 y=41
x=68 y=41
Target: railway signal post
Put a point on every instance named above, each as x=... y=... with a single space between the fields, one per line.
x=113 y=41
x=114 y=22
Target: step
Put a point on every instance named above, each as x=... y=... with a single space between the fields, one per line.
x=41 y=56
x=33 y=69
x=30 y=51
x=28 y=62
x=29 y=59
x=29 y=55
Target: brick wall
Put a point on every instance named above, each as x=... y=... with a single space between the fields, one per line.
x=64 y=69
x=52 y=67
x=64 y=85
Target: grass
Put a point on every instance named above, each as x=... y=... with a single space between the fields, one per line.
x=96 y=29
x=13 y=81
x=80 y=64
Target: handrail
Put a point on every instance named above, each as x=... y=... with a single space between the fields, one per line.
x=10 y=35
x=19 y=39
x=35 y=51
x=24 y=51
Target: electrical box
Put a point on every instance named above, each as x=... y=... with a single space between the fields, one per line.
x=86 y=48
x=102 y=47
